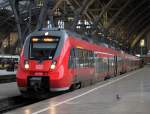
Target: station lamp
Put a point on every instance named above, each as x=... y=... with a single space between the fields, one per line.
x=46 y=33
x=99 y=33
x=142 y=43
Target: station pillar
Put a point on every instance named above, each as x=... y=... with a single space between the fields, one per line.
x=148 y=41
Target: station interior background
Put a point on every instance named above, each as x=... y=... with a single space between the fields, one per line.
x=120 y=24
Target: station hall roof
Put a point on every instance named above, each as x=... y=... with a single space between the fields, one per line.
x=127 y=19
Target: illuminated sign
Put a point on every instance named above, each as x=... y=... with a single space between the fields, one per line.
x=45 y=39
x=35 y=39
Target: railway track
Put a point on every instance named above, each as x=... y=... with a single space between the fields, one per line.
x=19 y=101
x=7 y=78
x=13 y=103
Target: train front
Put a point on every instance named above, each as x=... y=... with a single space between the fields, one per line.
x=40 y=68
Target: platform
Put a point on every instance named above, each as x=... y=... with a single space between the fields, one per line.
x=6 y=76
x=4 y=72
x=126 y=94
x=8 y=90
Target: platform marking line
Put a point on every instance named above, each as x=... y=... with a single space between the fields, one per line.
x=96 y=88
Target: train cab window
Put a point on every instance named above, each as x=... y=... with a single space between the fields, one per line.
x=42 y=50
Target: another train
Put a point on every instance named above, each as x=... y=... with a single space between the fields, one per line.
x=59 y=60
x=6 y=62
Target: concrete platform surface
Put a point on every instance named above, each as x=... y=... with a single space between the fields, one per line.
x=126 y=94
x=8 y=90
x=4 y=72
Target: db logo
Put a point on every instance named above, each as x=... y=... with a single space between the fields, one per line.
x=39 y=67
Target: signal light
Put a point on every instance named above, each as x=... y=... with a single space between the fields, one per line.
x=53 y=65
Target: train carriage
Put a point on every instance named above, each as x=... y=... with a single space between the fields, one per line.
x=58 y=60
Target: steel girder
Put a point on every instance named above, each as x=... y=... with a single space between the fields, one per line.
x=143 y=25
x=137 y=17
x=130 y=14
x=118 y=13
x=14 y=5
x=144 y=31
x=105 y=9
x=137 y=26
x=126 y=21
x=81 y=10
x=5 y=3
x=43 y=14
x=57 y=5
x=85 y=11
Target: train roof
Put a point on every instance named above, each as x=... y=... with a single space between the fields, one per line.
x=62 y=32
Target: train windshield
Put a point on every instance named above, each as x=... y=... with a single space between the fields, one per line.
x=43 y=48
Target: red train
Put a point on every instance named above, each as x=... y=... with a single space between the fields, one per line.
x=58 y=60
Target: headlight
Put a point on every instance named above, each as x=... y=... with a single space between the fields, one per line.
x=53 y=65
x=26 y=65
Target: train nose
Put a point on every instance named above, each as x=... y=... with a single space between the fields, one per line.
x=38 y=84
x=43 y=66
x=36 y=87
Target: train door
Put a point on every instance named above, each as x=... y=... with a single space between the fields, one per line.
x=115 y=65
x=72 y=64
x=97 y=67
x=108 y=66
x=112 y=66
x=77 y=65
x=122 y=65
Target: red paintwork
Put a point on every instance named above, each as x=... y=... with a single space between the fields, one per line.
x=62 y=76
